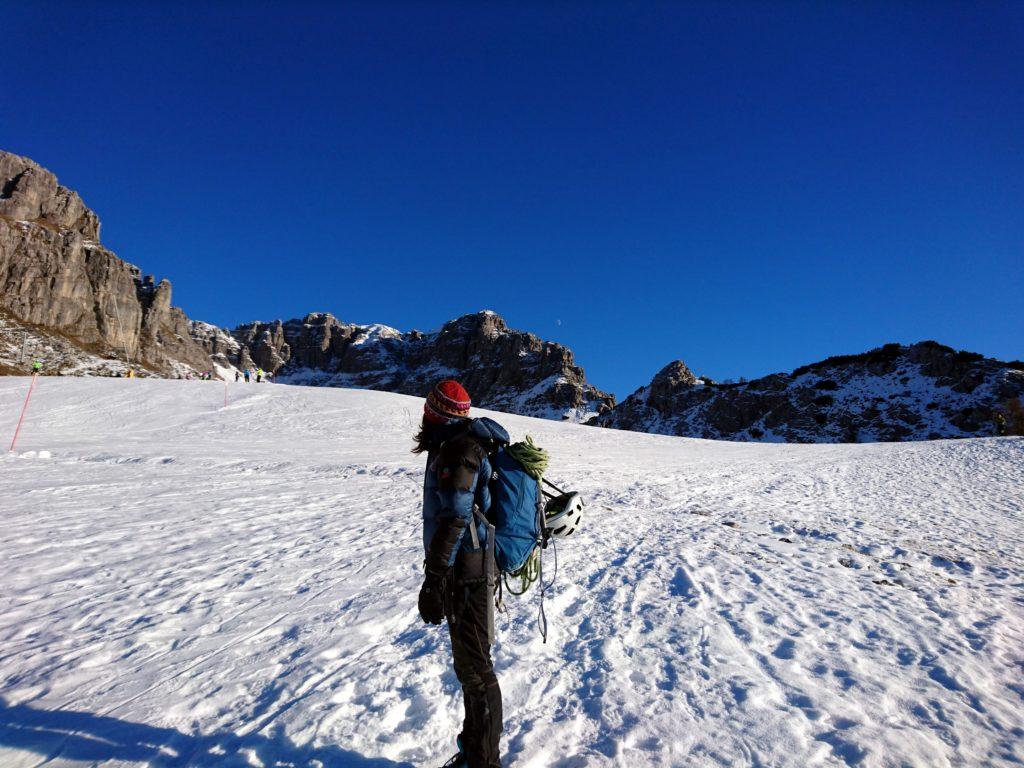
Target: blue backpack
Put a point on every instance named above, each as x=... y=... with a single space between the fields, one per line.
x=515 y=519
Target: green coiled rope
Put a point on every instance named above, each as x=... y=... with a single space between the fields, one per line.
x=527 y=574
x=534 y=460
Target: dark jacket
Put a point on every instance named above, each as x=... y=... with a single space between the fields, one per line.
x=452 y=491
x=457 y=477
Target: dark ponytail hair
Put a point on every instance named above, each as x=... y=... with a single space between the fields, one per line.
x=424 y=438
x=433 y=435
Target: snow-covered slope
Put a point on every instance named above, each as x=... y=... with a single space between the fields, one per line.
x=186 y=583
x=21 y=344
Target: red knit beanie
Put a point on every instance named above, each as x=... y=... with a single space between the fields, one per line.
x=448 y=403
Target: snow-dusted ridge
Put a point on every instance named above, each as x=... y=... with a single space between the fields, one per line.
x=503 y=368
x=923 y=391
x=189 y=584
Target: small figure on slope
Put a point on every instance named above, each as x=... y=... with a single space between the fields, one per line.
x=37 y=366
x=999 y=422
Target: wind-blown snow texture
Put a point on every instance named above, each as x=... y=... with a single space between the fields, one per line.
x=189 y=584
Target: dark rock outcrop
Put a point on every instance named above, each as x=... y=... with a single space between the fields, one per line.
x=505 y=369
x=895 y=392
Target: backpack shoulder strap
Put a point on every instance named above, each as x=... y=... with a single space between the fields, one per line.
x=459 y=460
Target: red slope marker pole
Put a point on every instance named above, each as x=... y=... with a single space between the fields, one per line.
x=24 y=408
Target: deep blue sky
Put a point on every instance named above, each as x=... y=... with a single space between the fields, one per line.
x=747 y=186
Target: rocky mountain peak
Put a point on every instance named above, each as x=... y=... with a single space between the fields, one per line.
x=485 y=324
x=670 y=380
x=895 y=392
x=29 y=192
x=504 y=369
x=675 y=374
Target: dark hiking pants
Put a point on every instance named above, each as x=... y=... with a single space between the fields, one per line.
x=471 y=652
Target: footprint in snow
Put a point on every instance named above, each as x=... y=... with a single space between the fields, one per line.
x=785 y=650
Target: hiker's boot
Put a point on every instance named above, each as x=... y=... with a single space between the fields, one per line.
x=459 y=761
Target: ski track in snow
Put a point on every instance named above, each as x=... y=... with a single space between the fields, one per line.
x=186 y=584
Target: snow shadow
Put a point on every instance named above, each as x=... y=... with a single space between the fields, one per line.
x=94 y=738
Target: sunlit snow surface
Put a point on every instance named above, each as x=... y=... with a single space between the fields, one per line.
x=185 y=583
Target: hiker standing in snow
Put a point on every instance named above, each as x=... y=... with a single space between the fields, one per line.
x=1000 y=424
x=455 y=586
x=37 y=367
x=246 y=375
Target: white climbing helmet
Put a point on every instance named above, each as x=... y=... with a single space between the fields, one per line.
x=563 y=515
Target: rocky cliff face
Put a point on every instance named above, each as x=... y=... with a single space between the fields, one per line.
x=219 y=345
x=29 y=192
x=918 y=392
x=504 y=369
x=55 y=274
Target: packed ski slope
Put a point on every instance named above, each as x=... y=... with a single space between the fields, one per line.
x=189 y=584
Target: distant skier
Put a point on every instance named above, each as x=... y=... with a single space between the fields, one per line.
x=237 y=375
x=259 y=375
x=37 y=367
x=246 y=375
x=455 y=585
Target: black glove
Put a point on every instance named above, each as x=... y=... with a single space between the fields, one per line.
x=435 y=583
x=432 y=597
